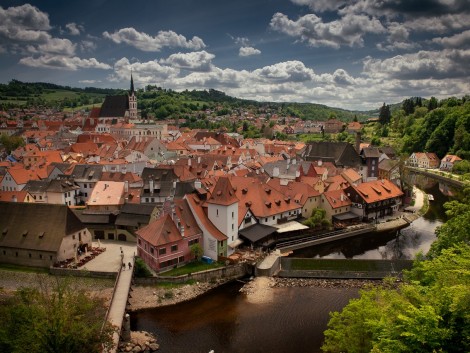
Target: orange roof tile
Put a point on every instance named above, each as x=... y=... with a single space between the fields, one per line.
x=197 y=207
x=160 y=232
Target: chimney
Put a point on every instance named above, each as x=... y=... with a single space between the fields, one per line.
x=341 y=197
x=182 y=230
x=199 y=160
x=126 y=186
x=189 y=162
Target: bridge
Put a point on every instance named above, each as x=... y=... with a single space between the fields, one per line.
x=119 y=300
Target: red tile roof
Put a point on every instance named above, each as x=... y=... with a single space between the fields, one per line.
x=160 y=232
x=223 y=193
x=197 y=207
x=378 y=190
x=337 y=198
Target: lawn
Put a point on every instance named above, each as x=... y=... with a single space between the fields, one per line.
x=192 y=267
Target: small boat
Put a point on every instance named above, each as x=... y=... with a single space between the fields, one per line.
x=430 y=197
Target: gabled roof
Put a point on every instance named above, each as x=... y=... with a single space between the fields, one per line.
x=186 y=218
x=370 y=152
x=21 y=175
x=87 y=172
x=196 y=206
x=107 y=193
x=341 y=153
x=114 y=106
x=336 y=198
x=36 y=226
x=13 y=196
x=160 y=232
x=296 y=191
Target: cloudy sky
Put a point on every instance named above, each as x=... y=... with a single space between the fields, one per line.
x=343 y=53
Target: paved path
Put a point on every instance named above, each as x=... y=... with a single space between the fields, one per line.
x=110 y=260
x=117 y=308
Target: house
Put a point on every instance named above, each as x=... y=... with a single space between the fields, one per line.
x=159 y=184
x=86 y=176
x=354 y=127
x=333 y=126
x=448 y=162
x=16 y=177
x=342 y=154
x=423 y=160
x=132 y=217
x=374 y=199
x=390 y=169
x=166 y=242
x=335 y=203
x=107 y=196
x=370 y=157
x=304 y=195
x=58 y=192
x=39 y=235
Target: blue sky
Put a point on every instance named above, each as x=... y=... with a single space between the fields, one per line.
x=343 y=53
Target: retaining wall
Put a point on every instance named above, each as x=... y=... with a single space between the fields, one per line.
x=80 y=273
x=226 y=273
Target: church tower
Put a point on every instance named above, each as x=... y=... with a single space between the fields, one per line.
x=132 y=102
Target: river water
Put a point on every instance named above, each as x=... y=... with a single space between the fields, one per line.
x=224 y=320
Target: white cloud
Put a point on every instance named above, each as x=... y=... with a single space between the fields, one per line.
x=248 y=51
x=446 y=64
x=439 y=24
x=146 y=42
x=89 y=81
x=194 y=61
x=58 y=46
x=348 y=30
x=87 y=45
x=63 y=63
x=143 y=72
x=294 y=71
x=74 y=29
x=458 y=40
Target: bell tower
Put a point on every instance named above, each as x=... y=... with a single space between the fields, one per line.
x=132 y=101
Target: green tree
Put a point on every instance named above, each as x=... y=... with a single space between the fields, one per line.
x=196 y=251
x=384 y=114
x=57 y=317
x=11 y=143
x=433 y=104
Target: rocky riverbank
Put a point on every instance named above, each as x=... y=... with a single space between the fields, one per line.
x=146 y=297
x=140 y=341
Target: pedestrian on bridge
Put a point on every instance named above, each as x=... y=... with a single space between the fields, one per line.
x=130 y=265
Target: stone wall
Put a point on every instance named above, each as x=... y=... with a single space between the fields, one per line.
x=226 y=273
x=80 y=273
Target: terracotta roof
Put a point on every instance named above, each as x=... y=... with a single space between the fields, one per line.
x=13 y=196
x=186 y=218
x=351 y=175
x=21 y=175
x=297 y=191
x=197 y=207
x=378 y=190
x=107 y=193
x=337 y=198
x=223 y=193
x=160 y=232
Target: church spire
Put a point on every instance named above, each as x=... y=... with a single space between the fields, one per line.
x=132 y=84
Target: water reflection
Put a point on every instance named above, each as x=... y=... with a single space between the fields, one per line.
x=404 y=244
x=223 y=320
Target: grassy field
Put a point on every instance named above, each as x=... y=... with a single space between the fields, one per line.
x=190 y=268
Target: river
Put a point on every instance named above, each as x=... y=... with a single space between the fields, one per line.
x=224 y=321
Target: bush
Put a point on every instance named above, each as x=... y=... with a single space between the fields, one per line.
x=141 y=269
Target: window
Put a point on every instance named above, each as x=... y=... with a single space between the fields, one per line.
x=29 y=255
x=217 y=213
x=233 y=214
x=151 y=251
x=162 y=251
x=233 y=226
x=174 y=248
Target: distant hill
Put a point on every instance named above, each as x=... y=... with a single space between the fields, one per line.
x=163 y=103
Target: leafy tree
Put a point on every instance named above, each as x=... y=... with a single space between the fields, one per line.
x=57 y=317
x=432 y=104
x=317 y=219
x=11 y=143
x=384 y=114
x=196 y=251
x=408 y=106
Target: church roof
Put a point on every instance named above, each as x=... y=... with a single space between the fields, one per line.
x=114 y=106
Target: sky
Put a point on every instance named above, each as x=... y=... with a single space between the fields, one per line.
x=354 y=55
